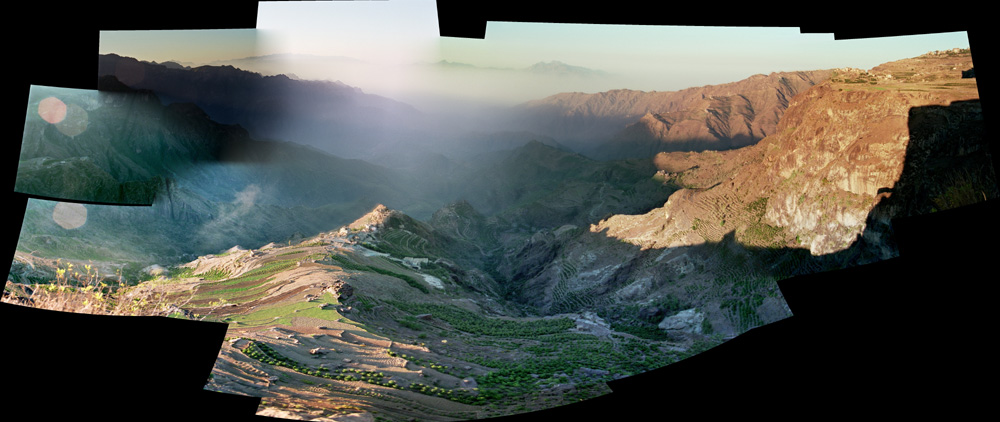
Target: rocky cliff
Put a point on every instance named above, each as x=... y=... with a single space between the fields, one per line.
x=847 y=157
x=839 y=150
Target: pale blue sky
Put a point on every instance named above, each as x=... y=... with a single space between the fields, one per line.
x=396 y=31
x=387 y=34
x=190 y=46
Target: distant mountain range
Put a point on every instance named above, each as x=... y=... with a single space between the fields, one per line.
x=553 y=67
x=628 y=123
x=276 y=62
x=332 y=116
x=560 y=68
x=347 y=122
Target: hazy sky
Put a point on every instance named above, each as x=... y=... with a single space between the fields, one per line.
x=384 y=35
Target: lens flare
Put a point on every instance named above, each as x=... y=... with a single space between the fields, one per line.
x=52 y=110
x=75 y=122
x=69 y=216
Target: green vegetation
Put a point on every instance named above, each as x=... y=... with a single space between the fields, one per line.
x=266 y=270
x=962 y=190
x=132 y=274
x=628 y=319
x=759 y=233
x=473 y=323
x=291 y=252
x=564 y=358
x=347 y=264
x=758 y=207
x=180 y=272
x=213 y=274
x=744 y=294
x=743 y=311
x=264 y=353
x=706 y=327
x=248 y=286
x=642 y=330
x=235 y=294
x=364 y=303
x=435 y=270
x=410 y=322
x=401 y=237
x=424 y=363
x=409 y=280
x=284 y=314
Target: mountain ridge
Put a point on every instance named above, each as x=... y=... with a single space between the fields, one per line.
x=704 y=114
x=274 y=107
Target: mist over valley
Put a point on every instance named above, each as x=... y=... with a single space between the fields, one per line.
x=486 y=263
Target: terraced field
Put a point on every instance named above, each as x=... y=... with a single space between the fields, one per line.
x=404 y=243
x=246 y=287
x=566 y=298
x=347 y=334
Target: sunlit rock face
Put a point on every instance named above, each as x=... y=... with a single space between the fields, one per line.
x=836 y=155
x=640 y=124
x=835 y=151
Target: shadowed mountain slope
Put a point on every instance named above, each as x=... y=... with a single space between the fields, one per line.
x=334 y=117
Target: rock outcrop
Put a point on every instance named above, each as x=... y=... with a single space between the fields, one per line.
x=374 y=218
x=688 y=320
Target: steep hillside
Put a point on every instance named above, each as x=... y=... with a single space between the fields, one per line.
x=378 y=317
x=840 y=149
x=710 y=117
x=210 y=185
x=538 y=185
x=556 y=273
x=848 y=156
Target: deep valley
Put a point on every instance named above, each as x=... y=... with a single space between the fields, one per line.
x=492 y=281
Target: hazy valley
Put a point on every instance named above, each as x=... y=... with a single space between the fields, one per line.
x=515 y=273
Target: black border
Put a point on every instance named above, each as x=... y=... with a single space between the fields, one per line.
x=890 y=354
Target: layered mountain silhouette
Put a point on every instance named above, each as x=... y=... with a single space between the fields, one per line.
x=332 y=116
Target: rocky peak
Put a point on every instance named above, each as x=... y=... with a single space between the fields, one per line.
x=376 y=217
